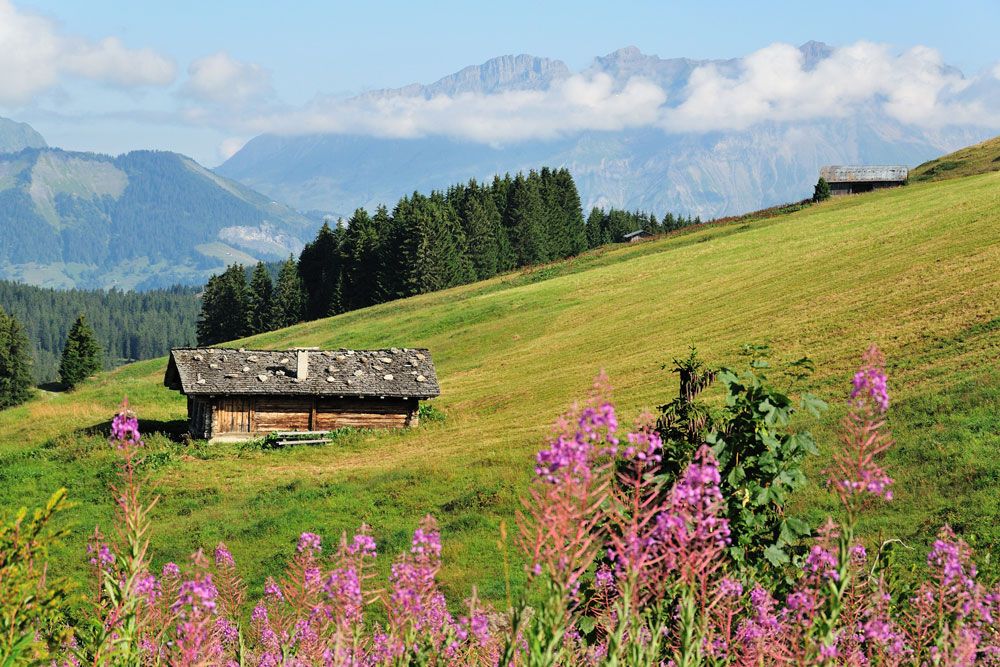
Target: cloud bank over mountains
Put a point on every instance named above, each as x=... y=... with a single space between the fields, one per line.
x=626 y=90
x=778 y=83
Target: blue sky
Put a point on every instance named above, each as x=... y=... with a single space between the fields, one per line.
x=136 y=91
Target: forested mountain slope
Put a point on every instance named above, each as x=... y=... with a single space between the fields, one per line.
x=143 y=219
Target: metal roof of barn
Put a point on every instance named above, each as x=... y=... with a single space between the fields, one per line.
x=862 y=173
x=393 y=372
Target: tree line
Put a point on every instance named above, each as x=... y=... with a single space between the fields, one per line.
x=128 y=326
x=469 y=232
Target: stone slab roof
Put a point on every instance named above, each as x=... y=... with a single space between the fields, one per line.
x=860 y=174
x=396 y=372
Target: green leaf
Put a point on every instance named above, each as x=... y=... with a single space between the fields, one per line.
x=775 y=555
x=813 y=405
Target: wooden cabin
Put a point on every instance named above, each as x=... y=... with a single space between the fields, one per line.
x=854 y=180
x=252 y=392
x=636 y=236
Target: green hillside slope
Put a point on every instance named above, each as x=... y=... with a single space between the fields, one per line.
x=982 y=158
x=916 y=270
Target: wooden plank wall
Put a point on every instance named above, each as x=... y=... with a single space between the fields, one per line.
x=333 y=413
x=282 y=414
x=261 y=414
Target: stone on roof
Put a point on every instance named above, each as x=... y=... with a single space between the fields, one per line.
x=395 y=373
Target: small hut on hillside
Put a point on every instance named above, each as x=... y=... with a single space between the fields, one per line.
x=637 y=235
x=856 y=179
x=248 y=392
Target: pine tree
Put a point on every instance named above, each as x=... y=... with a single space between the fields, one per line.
x=261 y=300
x=489 y=248
x=525 y=222
x=320 y=267
x=361 y=251
x=15 y=362
x=822 y=190
x=225 y=307
x=289 y=297
x=595 y=226
x=573 y=227
x=431 y=256
x=81 y=357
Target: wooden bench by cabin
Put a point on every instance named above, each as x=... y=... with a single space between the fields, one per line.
x=251 y=392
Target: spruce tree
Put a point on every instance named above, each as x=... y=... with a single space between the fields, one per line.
x=225 y=307
x=573 y=228
x=15 y=362
x=595 y=225
x=525 y=220
x=822 y=190
x=431 y=257
x=289 y=297
x=484 y=232
x=81 y=356
x=361 y=254
x=320 y=267
x=261 y=301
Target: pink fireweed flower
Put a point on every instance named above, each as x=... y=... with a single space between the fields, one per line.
x=571 y=454
x=692 y=527
x=856 y=471
x=343 y=587
x=272 y=590
x=198 y=594
x=170 y=571
x=363 y=545
x=125 y=428
x=426 y=542
x=101 y=555
x=870 y=382
x=309 y=542
x=822 y=562
x=223 y=557
x=147 y=587
x=643 y=445
x=604 y=578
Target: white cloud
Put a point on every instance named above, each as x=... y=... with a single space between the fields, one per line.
x=773 y=84
x=230 y=147
x=996 y=72
x=577 y=103
x=221 y=79
x=111 y=61
x=35 y=55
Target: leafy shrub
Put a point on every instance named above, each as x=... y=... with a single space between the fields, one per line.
x=428 y=413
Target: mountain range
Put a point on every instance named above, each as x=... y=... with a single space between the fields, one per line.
x=139 y=220
x=710 y=174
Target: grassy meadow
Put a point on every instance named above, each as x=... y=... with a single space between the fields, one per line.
x=916 y=270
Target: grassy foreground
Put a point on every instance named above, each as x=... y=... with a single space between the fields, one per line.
x=916 y=270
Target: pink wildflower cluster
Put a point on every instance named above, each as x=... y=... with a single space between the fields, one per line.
x=870 y=389
x=857 y=471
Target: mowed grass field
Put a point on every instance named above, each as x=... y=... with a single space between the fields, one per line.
x=916 y=270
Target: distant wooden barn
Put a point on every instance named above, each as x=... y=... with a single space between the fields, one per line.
x=245 y=392
x=637 y=235
x=853 y=180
